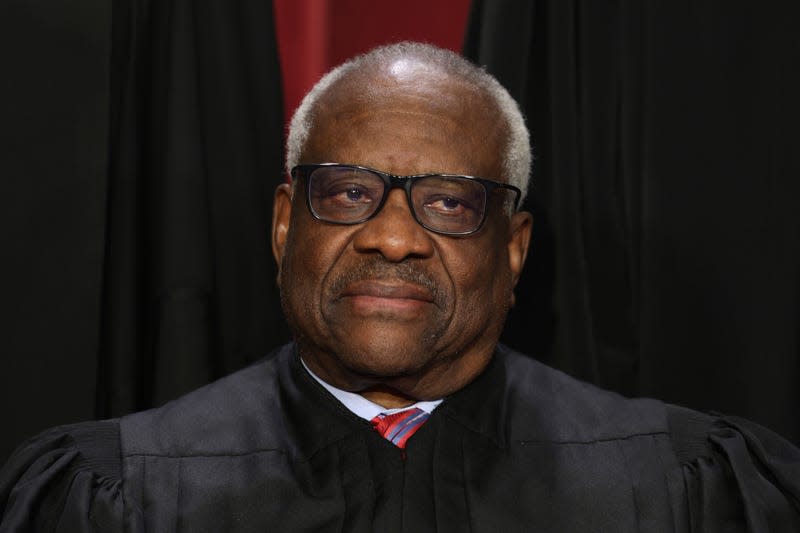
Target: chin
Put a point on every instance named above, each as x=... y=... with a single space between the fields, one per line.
x=386 y=361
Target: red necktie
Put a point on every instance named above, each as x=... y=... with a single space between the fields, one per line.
x=398 y=427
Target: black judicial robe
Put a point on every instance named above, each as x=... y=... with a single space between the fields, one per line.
x=522 y=448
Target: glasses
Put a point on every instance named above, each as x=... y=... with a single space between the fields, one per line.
x=442 y=203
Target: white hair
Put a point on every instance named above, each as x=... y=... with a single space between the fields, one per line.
x=517 y=158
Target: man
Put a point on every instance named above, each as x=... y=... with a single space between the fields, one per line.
x=399 y=244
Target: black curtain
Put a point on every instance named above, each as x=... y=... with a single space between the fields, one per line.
x=141 y=144
x=666 y=253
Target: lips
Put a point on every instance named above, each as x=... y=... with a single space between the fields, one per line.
x=388 y=290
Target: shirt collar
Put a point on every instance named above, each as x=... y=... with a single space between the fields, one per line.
x=364 y=408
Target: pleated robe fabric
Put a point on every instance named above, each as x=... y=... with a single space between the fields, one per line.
x=522 y=448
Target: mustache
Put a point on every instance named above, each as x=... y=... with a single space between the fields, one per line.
x=379 y=269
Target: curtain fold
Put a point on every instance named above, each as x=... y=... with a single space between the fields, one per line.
x=189 y=292
x=142 y=142
x=54 y=100
x=664 y=195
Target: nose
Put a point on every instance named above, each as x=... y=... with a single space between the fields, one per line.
x=393 y=232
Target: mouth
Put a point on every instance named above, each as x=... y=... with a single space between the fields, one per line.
x=370 y=296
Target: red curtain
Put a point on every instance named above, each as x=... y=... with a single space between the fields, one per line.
x=315 y=35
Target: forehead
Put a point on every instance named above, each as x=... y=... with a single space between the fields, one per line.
x=408 y=118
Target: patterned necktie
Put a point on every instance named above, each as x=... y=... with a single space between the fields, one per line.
x=398 y=427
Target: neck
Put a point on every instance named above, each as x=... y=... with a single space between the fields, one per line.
x=391 y=392
x=386 y=397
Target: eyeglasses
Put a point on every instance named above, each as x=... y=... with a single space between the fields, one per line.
x=442 y=203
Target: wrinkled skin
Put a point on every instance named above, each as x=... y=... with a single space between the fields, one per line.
x=387 y=308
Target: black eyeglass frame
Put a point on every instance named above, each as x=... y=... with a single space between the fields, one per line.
x=394 y=181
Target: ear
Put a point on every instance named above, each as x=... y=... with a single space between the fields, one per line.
x=281 y=214
x=520 y=228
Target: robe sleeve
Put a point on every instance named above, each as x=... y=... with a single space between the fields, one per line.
x=735 y=473
x=66 y=479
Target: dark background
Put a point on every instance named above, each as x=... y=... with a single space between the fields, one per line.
x=140 y=142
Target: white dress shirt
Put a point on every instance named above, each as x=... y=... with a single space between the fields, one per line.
x=363 y=407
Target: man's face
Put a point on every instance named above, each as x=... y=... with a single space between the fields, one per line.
x=387 y=302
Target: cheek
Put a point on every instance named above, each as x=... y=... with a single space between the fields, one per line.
x=294 y=294
x=300 y=289
x=482 y=279
x=471 y=276
x=310 y=254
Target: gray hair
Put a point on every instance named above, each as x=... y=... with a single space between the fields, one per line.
x=517 y=157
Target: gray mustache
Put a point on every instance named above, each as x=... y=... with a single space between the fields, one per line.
x=380 y=269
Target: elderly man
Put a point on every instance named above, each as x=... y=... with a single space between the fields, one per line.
x=395 y=409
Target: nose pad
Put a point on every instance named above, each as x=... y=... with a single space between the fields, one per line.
x=394 y=232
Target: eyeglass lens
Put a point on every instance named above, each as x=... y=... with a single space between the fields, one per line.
x=448 y=204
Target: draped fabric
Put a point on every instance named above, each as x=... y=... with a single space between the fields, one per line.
x=521 y=448
x=196 y=152
x=666 y=247
x=142 y=141
x=54 y=99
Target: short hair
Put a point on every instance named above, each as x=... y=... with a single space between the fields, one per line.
x=517 y=158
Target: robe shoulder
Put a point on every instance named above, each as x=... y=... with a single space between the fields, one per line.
x=71 y=478
x=241 y=413
x=546 y=405
x=752 y=473
x=67 y=478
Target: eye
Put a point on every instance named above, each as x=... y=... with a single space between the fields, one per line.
x=450 y=203
x=446 y=205
x=354 y=194
x=346 y=195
